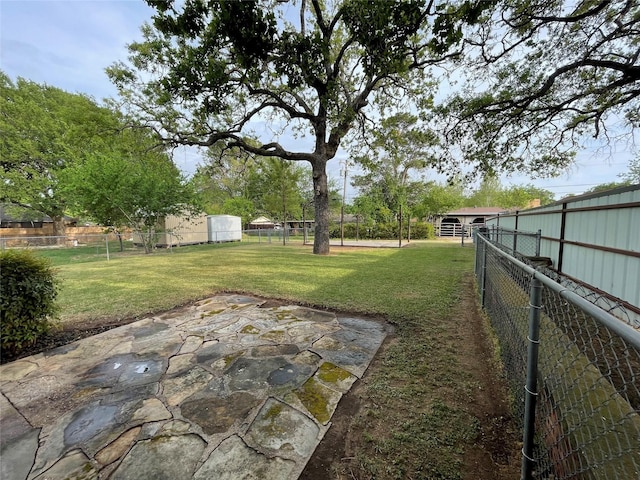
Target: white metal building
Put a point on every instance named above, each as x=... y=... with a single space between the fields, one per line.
x=174 y=230
x=224 y=228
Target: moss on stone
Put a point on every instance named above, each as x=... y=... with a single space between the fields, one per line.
x=312 y=397
x=274 y=411
x=250 y=329
x=87 y=472
x=271 y=426
x=276 y=335
x=330 y=373
x=231 y=357
x=285 y=315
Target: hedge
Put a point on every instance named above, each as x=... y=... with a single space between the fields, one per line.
x=27 y=304
x=383 y=231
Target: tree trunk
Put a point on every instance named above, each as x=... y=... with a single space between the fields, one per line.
x=148 y=239
x=321 y=200
x=59 y=229
x=119 y=236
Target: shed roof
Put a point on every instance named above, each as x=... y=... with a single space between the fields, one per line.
x=476 y=211
x=261 y=221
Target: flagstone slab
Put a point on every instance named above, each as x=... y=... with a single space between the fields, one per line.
x=221 y=389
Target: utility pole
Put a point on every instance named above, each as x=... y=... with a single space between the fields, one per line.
x=400 y=227
x=344 y=195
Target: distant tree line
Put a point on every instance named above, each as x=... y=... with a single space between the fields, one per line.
x=342 y=73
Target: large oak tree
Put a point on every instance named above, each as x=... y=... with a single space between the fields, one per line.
x=43 y=131
x=208 y=71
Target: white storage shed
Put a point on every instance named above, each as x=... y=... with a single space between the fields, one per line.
x=174 y=230
x=224 y=228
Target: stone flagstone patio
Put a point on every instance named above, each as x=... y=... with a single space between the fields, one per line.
x=223 y=389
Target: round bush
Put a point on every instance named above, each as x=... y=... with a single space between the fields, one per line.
x=28 y=288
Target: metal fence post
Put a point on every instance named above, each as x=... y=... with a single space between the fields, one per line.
x=484 y=271
x=531 y=393
x=106 y=241
x=538 y=239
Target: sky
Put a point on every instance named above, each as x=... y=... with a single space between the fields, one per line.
x=69 y=43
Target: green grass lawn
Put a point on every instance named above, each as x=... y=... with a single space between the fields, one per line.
x=417 y=395
x=399 y=284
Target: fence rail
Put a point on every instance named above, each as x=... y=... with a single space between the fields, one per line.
x=517 y=241
x=453 y=230
x=573 y=371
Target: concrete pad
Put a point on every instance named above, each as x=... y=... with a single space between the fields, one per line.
x=221 y=389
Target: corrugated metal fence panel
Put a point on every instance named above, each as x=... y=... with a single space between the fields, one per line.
x=613 y=273
x=617 y=227
x=629 y=289
x=506 y=221
x=549 y=224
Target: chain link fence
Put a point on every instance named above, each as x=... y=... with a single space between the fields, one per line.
x=573 y=369
x=93 y=247
x=88 y=246
x=516 y=242
x=525 y=246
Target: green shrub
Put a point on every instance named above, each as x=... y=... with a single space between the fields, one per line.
x=28 y=290
x=383 y=231
x=423 y=231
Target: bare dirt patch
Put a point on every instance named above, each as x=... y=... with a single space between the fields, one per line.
x=496 y=453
